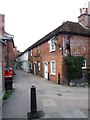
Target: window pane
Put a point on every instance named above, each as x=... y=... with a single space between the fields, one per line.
x=52 y=46
x=53 y=67
x=38 y=66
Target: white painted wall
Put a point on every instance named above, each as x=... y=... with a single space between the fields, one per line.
x=25 y=63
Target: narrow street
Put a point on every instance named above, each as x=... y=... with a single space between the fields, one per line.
x=54 y=100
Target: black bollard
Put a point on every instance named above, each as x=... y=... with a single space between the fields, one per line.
x=34 y=113
x=58 y=78
x=33 y=100
x=48 y=75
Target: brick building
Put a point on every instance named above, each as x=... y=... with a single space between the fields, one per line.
x=46 y=56
x=2 y=90
x=8 y=50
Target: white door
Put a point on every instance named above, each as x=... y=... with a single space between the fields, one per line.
x=46 y=70
x=35 y=68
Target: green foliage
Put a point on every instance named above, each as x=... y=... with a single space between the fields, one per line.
x=74 y=66
x=7 y=94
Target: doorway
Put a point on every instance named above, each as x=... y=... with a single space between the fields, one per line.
x=46 y=70
x=35 y=67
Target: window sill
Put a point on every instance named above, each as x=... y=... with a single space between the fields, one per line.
x=84 y=68
x=52 y=51
x=52 y=73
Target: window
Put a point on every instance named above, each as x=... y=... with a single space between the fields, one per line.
x=52 y=45
x=38 y=66
x=38 y=50
x=53 y=67
x=31 y=65
x=84 y=65
x=30 y=52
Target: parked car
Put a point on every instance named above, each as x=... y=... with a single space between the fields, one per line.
x=8 y=73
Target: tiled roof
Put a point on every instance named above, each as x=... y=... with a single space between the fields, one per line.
x=66 y=28
x=6 y=36
x=75 y=28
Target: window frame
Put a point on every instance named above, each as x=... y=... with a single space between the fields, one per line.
x=51 y=67
x=31 y=52
x=85 y=67
x=38 y=50
x=39 y=66
x=52 y=42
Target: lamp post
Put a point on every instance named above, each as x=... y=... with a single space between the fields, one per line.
x=54 y=39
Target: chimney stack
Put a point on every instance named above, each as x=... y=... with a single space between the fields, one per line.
x=84 y=17
x=2 y=20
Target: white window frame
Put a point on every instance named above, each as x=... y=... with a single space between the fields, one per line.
x=52 y=50
x=30 y=52
x=85 y=65
x=52 y=73
x=39 y=66
x=38 y=50
x=31 y=65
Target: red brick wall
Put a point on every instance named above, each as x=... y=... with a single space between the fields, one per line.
x=84 y=20
x=10 y=53
x=5 y=55
x=1 y=24
x=46 y=56
x=80 y=46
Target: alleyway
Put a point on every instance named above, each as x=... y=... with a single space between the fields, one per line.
x=55 y=100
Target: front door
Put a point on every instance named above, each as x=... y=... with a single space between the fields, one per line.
x=46 y=70
x=35 y=68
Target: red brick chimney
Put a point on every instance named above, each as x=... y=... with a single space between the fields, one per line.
x=2 y=23
x=84 y=17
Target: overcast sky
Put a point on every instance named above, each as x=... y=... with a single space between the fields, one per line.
x=30 y=20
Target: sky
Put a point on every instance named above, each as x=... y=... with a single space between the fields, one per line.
x=30 y=20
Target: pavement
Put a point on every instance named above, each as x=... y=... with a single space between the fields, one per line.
x=56 y=101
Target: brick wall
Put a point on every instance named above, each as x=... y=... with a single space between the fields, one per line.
x=10 y=53
x=1 y=24
x=80 y=46
x=47 y=56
